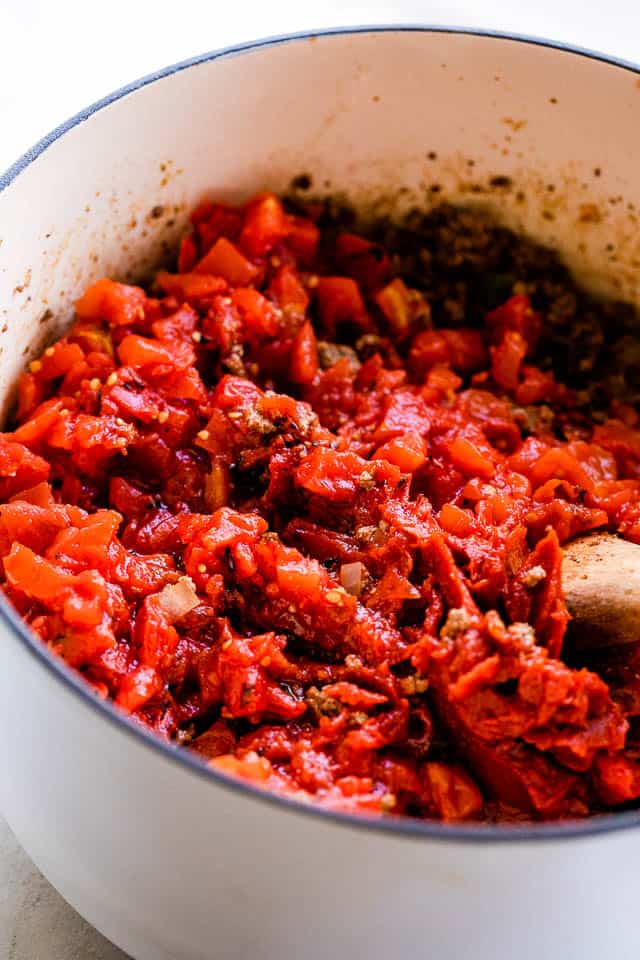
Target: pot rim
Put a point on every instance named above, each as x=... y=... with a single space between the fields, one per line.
x=476 y=833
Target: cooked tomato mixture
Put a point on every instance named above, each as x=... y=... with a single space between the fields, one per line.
x=297 y=510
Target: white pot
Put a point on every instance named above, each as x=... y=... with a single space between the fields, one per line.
x=172 y=861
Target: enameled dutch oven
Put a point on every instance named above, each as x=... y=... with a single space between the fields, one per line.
x=173 y=861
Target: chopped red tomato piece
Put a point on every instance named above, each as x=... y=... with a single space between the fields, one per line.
x=265 y=223
x=190 y=286
x=464 y=350
x=225 y=260
x=117 y=303
x=339 y=302
x=368 y=263
x=408 y=452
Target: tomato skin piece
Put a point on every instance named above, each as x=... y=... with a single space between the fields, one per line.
x=35 y=430
x=354 y=696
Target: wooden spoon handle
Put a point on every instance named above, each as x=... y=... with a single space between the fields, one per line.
x=601 y=580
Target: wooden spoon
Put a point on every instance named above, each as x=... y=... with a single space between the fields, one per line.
x=601 y=580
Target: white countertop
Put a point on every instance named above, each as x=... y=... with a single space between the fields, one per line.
x=56 y=58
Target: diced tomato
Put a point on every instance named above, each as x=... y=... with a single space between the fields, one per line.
x=302 y=239
x=339 y=302
x=463 y=350
x=288 y=292
x=258 y=314
x=403 y=309
x=190 y=286
x=19 y=468
x=333 y=475
x=31 y=393
x=454 y=794
x=136 y=351
x=58 y=360
x=469 y=459
x=226 y=261
x=91 y=337
x=304 y=355
x=367 y=262
x=408 y=452
x=517 y=316
x=558 y=464
x=214 y=220
x=457 y=521
x=188 y=254
x=506 y=359
x=265 y=223
x=117 y=303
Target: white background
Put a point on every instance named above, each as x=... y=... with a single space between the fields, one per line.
x=57 y=57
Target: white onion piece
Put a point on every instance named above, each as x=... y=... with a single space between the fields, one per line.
x=352 y=577
x=177 y=599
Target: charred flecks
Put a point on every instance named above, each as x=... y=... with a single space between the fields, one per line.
x=465 y=263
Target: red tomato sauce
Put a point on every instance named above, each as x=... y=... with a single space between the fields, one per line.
x=277 y=516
